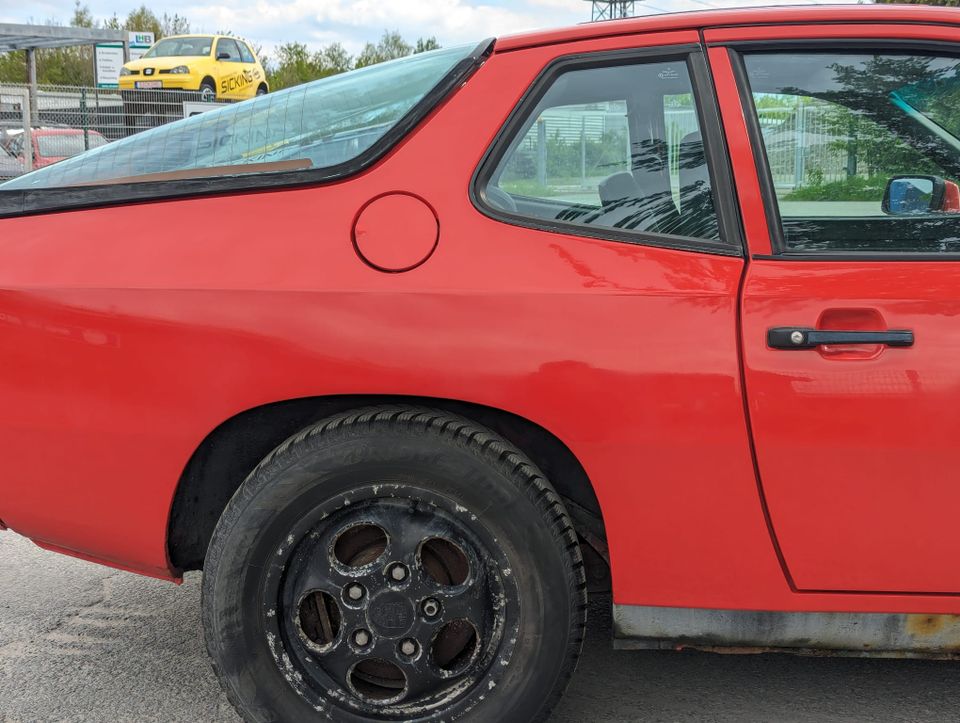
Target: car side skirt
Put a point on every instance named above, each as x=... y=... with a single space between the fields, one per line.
x=885 y=635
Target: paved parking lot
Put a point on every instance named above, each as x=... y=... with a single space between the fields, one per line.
x=82 y=642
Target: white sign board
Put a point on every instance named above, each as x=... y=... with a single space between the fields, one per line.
x=108 y=58
x=140 y=43
x=107 y=61
x=192 y=108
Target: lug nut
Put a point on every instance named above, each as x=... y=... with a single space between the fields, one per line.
x=361 y=638
x=408 y=647
x=430 y=607
x=354 y=591
x=398 y=572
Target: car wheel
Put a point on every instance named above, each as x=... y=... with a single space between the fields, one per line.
x=394 y=564
x=208 y=92
x=261 y=90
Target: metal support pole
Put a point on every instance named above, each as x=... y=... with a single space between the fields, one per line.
x=27 y=135
x=583 y=151
x=800 y=146
x=32 y=85
x=541 y=152
x=84 y=119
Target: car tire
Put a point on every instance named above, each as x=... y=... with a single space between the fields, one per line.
x=208 y=92
x=394 y=563
x=261 y=90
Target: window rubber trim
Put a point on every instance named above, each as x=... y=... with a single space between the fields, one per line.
x=736 y=50
x=708 y=116
x=24 y=202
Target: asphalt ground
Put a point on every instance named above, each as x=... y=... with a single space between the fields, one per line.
x=80 y=642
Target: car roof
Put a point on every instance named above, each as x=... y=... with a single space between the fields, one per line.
x=696 y=20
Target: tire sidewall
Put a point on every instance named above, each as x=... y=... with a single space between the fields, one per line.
x=321 y=467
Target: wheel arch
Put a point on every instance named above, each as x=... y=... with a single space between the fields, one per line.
x=230 y=452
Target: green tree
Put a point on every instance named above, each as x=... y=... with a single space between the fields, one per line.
x=144 y=20
x=295 y=63
x=336 y=59
x=66 y=66
x=173 y=25
x=390 y=46
x=425 y=44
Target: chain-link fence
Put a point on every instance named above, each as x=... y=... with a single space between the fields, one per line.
x=62 y=121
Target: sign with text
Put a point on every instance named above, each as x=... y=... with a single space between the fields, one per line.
x=108 y=58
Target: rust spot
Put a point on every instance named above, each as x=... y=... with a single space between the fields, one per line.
x=925 y=625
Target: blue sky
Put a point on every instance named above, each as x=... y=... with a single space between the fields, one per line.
x=352 y=22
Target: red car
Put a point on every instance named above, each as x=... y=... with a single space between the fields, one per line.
x=51 y=145
x=403 y=357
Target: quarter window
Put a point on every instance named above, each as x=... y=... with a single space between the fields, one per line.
x=616 y=147
x=246 y=54
x=863 y=149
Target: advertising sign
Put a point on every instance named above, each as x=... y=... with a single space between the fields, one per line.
x=107 y=61
x=108 y=58
x=140 y=43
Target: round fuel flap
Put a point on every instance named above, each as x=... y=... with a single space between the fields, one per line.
x=396 y=232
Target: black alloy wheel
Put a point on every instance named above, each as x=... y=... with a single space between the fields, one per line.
x=394 y=564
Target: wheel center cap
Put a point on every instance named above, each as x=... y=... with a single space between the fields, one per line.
x=391 y=614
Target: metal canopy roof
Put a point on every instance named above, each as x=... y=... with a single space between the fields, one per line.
x=25 y=37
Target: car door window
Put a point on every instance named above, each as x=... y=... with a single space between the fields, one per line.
x=616 y=147
x=863 y=149
x=228 y=47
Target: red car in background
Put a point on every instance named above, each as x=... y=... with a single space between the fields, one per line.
x=402 y=358
x=51 y=145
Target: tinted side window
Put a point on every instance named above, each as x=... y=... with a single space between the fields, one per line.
x=228 y=47
x=615 y=147
x=863 y=148
x=246 y=54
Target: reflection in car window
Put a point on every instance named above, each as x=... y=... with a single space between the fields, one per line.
x=64 y=145
x=316 y=125
x=227 y=50
x=851 y=138
x=614 y=147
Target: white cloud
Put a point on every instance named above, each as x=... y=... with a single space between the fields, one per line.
x=354 y=22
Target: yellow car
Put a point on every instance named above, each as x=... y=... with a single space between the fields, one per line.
x=220 y=67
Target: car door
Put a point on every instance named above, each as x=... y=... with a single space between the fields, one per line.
x=606 y=217
x=229 y=69
x=850 y=307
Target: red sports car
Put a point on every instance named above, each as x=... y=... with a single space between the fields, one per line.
x=402 y=358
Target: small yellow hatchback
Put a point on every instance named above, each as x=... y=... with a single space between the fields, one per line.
x=221 y=67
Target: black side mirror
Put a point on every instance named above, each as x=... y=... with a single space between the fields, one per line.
x=911 y=195
x=223 y=56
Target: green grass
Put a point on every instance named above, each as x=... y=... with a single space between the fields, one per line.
x=856 y=188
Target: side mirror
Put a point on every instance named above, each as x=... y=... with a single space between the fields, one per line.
x=912 y=195
x=223 y=56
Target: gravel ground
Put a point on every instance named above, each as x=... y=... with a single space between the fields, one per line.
x=83 y=642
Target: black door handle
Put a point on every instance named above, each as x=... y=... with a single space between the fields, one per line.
x=799 y=337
